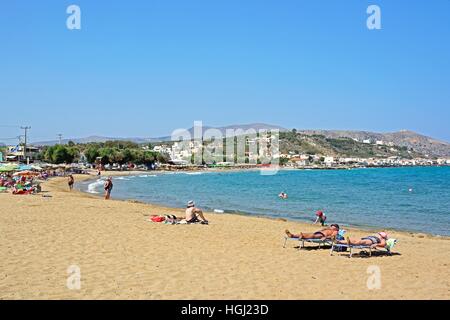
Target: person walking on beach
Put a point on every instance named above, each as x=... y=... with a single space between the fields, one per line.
x=194 y=215
x=108 y=188
x=71 y=182
x=321 y=217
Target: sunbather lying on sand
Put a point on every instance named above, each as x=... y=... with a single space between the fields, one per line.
x=375 y=241
x=324 y=234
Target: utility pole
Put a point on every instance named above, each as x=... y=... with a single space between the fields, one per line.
x=26 y=128
x=60 y=138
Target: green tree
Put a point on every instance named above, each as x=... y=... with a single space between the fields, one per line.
x=59 y=154
x=91 y=154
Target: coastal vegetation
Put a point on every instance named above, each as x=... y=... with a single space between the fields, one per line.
x=108 y=152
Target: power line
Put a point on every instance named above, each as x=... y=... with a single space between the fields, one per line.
x=26 y=128
x=15 y=138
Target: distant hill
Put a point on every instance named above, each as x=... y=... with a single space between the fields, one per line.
x=409 y=139
x=89 y=139
x=317 y=144
x=256 y=126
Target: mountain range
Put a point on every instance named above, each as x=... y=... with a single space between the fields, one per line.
x=409 y=139
x=139 y=140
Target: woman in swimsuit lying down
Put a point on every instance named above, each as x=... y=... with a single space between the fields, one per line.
x=375 y=241
x=324 y=234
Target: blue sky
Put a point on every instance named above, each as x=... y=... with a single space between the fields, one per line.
x=144 y=68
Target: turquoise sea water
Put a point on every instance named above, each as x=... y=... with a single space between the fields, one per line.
x=371 y=198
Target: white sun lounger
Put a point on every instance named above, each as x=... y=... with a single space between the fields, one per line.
x=353 y=247
x=303 y=241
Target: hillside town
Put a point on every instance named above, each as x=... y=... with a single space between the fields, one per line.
x=180 y=155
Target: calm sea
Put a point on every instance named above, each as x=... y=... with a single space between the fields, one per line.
x=412 y=199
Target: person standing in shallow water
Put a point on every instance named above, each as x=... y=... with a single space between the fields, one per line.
x=321 y=218
x=71 y=182
x=108 y=188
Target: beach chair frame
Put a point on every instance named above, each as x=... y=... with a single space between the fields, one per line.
x=303 y=241
x=351 y=248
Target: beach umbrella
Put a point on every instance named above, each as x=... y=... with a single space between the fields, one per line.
x=24 y=167
x=26 y=173
x=36 y=167
x=8 y=168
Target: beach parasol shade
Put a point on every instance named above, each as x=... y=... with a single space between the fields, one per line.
x=26 y=173
x=24 y=167
x=8 y=168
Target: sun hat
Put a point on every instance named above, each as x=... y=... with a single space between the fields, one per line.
x=384 y=235
x=191 y=204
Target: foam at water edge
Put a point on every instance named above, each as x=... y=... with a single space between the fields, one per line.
x=92 y=188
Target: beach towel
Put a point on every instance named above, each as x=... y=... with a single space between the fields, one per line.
x=390 y=244
x=341 y=235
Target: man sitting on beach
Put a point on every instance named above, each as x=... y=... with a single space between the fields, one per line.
x=324 y=234
x=375 y=241
x=194 y=215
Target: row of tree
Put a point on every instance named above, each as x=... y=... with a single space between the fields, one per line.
x=109 y=152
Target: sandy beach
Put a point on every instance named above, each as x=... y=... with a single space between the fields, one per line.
x=123 y=256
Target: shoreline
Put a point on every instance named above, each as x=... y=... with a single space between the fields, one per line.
x=349 y=227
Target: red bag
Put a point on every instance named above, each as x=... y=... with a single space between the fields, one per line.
x=158 y=219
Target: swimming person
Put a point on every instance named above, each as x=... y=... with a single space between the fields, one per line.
x=327 y=233
x=321 y=217
x=375 y=241
x=194 y=214
x=108 y=188
x=71 y=182
x=283 y=195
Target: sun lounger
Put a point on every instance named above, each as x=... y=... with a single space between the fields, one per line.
x=351 y=248
x=303 y=241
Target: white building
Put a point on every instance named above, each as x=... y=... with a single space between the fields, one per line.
x=301 y=163
x=328 y=161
